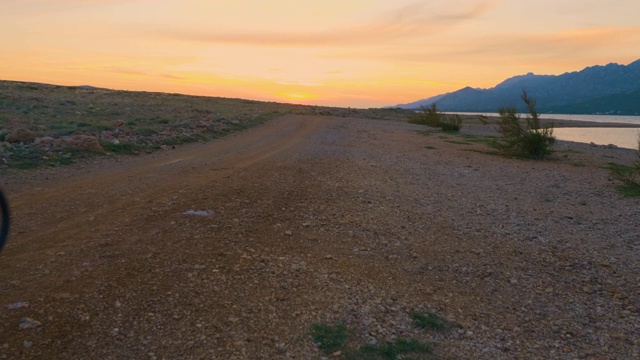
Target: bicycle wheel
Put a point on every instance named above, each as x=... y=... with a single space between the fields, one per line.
x=4 y=229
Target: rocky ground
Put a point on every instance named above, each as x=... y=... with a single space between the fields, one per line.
x=232 y=249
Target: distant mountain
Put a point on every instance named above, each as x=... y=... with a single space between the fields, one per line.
x=609 y=89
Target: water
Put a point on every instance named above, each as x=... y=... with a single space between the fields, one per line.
x=621 y=137
x=597 y=118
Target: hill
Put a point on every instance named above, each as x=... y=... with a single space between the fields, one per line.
x=608 y=89
x=42 y=124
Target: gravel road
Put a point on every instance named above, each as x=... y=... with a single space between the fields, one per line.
x=232 y=249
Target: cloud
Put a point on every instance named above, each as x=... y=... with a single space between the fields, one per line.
x=412 y=21
x=73 y=2
x=139 y=73
x=598 y=36
x=568 y=45
x=40 y=7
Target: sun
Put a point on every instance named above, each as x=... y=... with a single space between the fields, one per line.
x=297 y=96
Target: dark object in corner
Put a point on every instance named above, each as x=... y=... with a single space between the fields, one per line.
x=4 y=229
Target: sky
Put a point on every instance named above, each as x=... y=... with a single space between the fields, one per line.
x=351 y=53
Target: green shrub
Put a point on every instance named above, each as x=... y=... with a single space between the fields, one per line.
x=528 y=138
x=432 y=117
x=451 y=123
x=628 y=175
x=427 y=116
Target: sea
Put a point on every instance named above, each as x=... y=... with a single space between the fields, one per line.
x=621 y=137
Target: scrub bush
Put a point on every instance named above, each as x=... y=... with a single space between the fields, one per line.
x=524 y=138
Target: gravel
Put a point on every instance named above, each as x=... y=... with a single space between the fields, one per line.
x=357 y=221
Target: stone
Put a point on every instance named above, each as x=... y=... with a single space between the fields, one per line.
x=28 y=323
x=18 y=305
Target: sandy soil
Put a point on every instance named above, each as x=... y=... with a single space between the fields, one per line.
x=313 y=219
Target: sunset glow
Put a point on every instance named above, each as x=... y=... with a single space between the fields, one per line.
x=359 y=53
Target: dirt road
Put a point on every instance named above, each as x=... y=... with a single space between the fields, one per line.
x=232 y=249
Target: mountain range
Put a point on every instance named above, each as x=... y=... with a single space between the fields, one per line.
x=610 y=89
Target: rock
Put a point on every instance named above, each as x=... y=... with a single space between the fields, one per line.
x=288 y=233
x=220 y=127
x=203 y=124
x=199 y=212
x=28 y=323
x=44 y=142
x=86 y=143
x=27 y=344
x=21 y=135
x=18 y=305
x=62 y=296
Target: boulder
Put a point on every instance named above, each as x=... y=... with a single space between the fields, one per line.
x=21 y=135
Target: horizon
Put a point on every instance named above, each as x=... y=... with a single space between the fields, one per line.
x=359 y=54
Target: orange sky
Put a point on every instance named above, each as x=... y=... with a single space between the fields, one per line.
x=348 y=53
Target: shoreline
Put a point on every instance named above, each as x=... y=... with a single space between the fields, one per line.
x=588 y=124
x=558 y=123
x=473 y=126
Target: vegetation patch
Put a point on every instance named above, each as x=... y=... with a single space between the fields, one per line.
x=629 y=176
x=329 y=338
x=400 y=348
x=430 y=116
x=428 y=320
x=486 y=152
x=122 y=148
x=628 y=190
x=570 y=151
x=458 y=142
x=480 y=139
x=337 y=340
